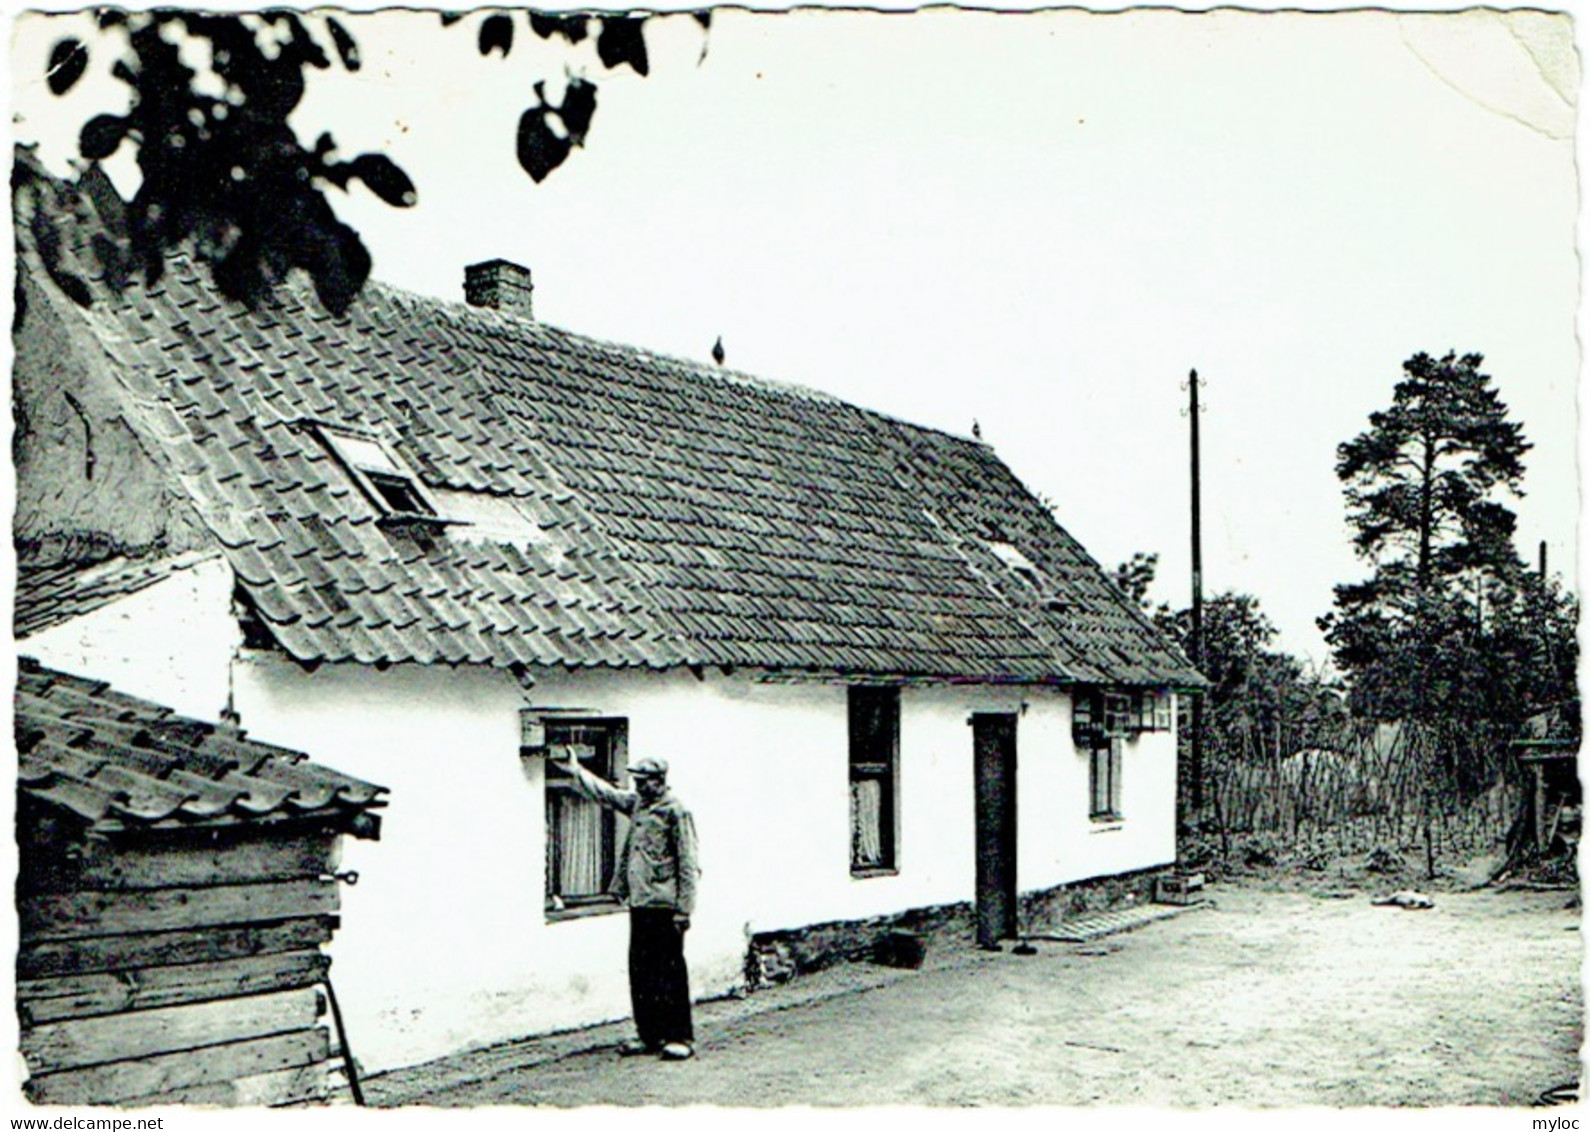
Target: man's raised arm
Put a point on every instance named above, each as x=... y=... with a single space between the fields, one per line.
x=598 y=789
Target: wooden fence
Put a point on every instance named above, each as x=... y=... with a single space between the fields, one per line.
x=1392 y=786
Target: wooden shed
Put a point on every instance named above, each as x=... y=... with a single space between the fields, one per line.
x=1547 y=752
x=176 y=883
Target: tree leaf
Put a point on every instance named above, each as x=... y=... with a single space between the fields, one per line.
x=704 y=18
x=101 y=135
x=112 y=259
x=540 y=150
x=68 y=61
x=339 y=264
x=579 y=106
x=572 y=28
x=346 y=47
x=496 y=33
x=621 y=42
x=383 y=178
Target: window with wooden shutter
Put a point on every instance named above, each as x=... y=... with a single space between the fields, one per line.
x=1119 y=713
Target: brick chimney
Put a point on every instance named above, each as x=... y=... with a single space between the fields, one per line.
x=500 y=285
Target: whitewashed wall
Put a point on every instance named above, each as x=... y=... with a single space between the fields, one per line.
x=445 y=943
x=171 y=643
x=1057 y=841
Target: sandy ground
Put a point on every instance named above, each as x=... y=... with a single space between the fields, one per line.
x=1265 y=999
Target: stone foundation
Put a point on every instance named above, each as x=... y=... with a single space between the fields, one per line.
x=779 y=956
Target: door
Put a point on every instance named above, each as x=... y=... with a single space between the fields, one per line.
x=994 y=753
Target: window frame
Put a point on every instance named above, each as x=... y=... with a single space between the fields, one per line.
x=864 y=765
x=1101 y=711
x=1119 y=714
x=1104 y=780
x=369 y=478
x=1162 y=709
x=1036 y=582
x=556 y=788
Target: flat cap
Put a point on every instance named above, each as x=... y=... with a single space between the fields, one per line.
x=649 y=768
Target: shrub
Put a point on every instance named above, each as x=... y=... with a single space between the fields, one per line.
x=1383 y=860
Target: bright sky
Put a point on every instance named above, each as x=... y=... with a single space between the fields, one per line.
x=1039 y=222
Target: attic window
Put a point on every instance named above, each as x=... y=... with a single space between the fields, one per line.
x=1015 y=559
x=382 y=475
x=397 y=493
x=1023 y=567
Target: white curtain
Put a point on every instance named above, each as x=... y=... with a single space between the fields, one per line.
x=579 y=833
x=866 y=821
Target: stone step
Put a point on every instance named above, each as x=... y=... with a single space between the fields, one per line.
x=1093 y=925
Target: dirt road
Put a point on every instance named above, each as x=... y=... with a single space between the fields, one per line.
x=1269 y=998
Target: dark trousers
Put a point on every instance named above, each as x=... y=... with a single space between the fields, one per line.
x=659 y=985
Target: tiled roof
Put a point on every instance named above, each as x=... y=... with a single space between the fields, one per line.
x=53 y=595
x=676 y=513
x=122 y=763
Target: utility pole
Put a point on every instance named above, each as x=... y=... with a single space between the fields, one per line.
x=1197 y=599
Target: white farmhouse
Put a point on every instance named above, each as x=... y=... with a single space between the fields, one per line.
x=433 y=542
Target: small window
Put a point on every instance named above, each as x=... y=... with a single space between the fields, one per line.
x=1021 y=566
x=582 y=836
x=1018 y=562
x=1087 y=728
x=1100 y=713
x=1104 y=781
x=1153 y=710
x=874 y=764
x=398 y=494
x=1164 y=710
x=1120 y=715
x=389 y=483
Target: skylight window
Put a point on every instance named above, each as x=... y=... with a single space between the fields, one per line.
x=1015 y=559
x=381 y=474
x=1031 y=577
x=399 y=494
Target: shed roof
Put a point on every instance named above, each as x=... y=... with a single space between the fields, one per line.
x=122 y=763
x=616 y=507
x=53 y=595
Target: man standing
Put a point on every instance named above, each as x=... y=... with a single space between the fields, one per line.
x=656 y=879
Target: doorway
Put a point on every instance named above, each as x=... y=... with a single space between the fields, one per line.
x=994 y=755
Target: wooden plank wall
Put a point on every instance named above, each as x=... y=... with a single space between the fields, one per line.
x=183 y=972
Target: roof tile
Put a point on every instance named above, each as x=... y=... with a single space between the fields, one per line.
x=684 y=511
x=139 y=765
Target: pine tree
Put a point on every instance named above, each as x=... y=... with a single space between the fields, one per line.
x=1421 y=480
x=1449 y=625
